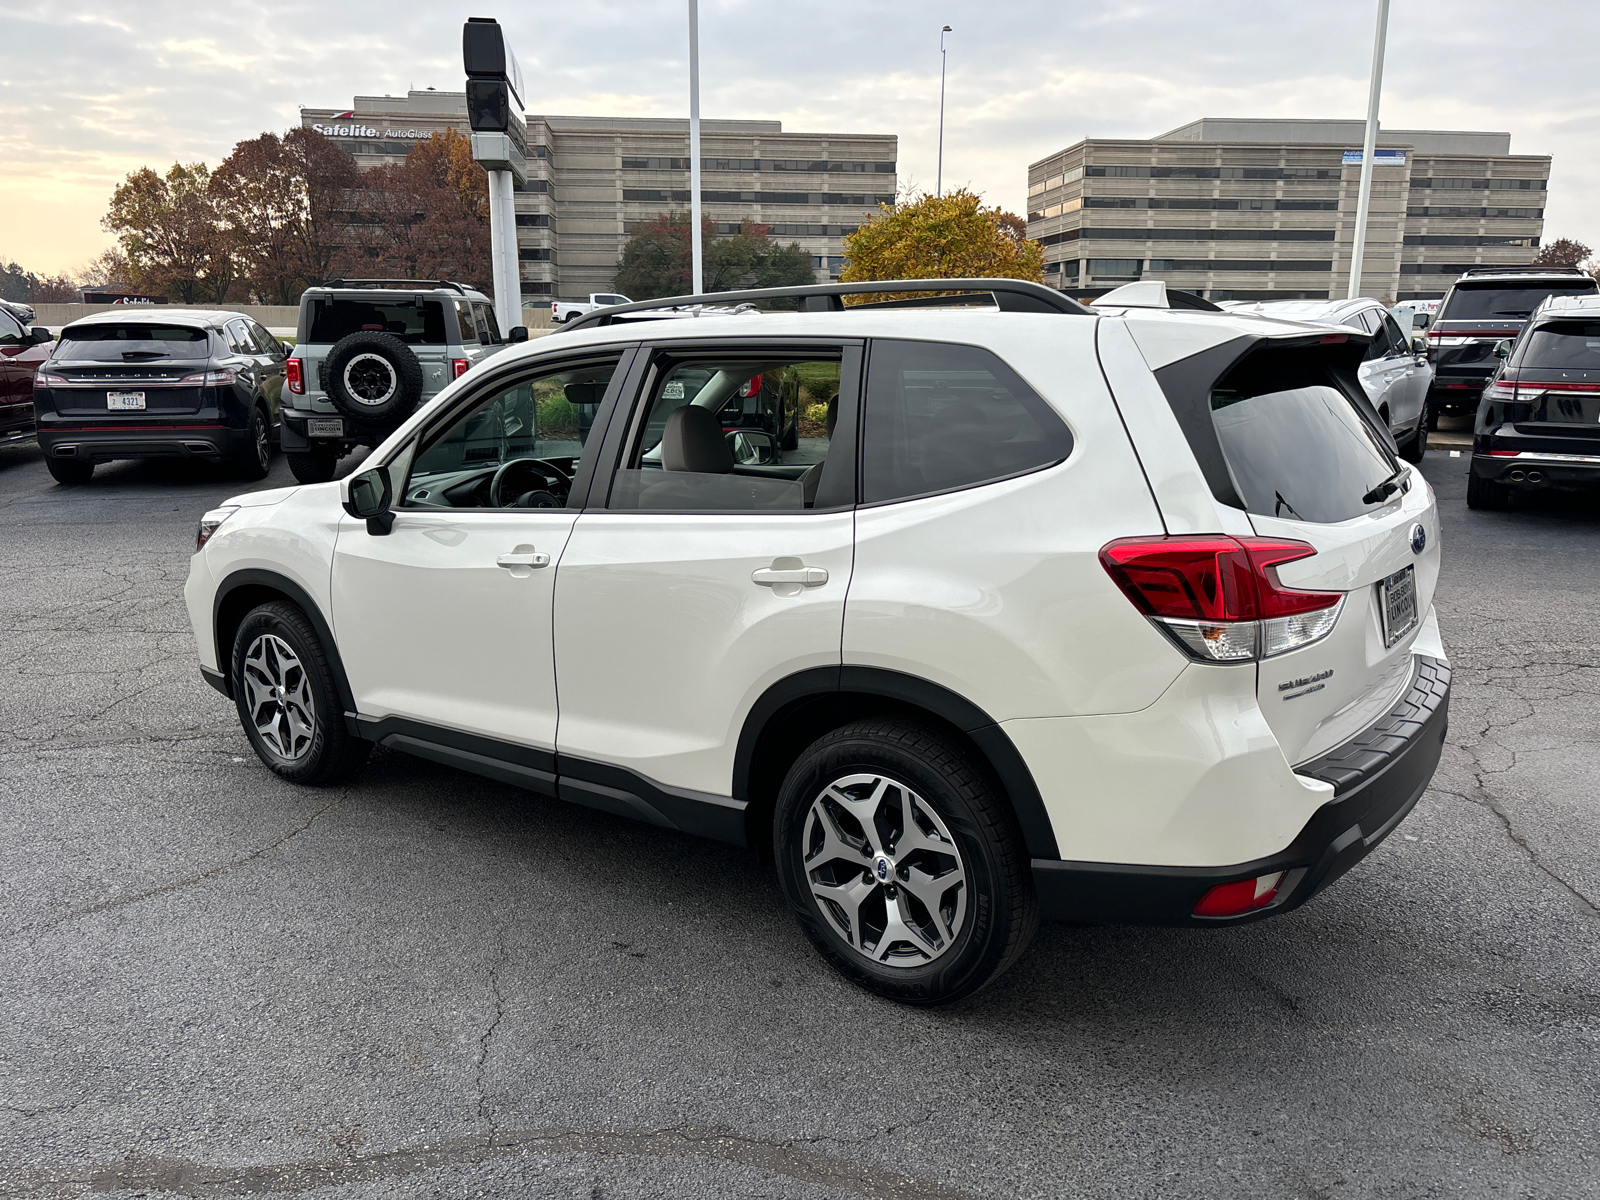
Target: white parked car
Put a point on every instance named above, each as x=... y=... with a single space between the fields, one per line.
x=1395 y=372
x=1117 y=617
x=562 y=311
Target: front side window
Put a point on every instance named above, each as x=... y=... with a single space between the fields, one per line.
x=733 y=434
x=10 y=330
x=940 y=417
x=488 y=326
x=518 y=447
x=1295 y=445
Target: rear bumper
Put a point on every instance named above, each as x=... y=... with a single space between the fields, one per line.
x=1538 y=469
x=103 y=443
x=1377 y=778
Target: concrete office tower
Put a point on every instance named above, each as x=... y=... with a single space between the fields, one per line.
x=592 y=180
x=1265 y=210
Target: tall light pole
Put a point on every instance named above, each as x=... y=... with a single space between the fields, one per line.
x=694 y=146
x=1368 y=150
x=938 y=178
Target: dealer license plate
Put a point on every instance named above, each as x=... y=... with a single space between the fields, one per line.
x=1397 y=601
x=325 y=427
x=125 y=401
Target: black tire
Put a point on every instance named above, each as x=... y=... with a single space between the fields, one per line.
x=1485 y=493
x=69 y=472
x=308 y=741
x=374 y=378
x=1414 y=450
x=253 y=459
x=791 y=436
x=316 y=465
x=1000 y=910
x=1431 y=407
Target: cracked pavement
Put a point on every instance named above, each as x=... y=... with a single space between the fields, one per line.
x=213 y=983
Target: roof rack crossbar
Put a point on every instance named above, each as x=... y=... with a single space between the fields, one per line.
x=359 y=283
x=1523 y=269
x=1010 y=295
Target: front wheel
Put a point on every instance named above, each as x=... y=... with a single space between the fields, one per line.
x=288 y=704
x=254 y=459
x=1414 y=450
x=903 y=862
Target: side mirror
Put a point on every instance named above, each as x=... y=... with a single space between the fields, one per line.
x=39 y=335
x=517 y=333
x=1419 y=344
x=1502 y=349
x=368 y=496
x=753 y=447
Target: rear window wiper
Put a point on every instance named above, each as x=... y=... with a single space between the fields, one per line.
x=1387 y=488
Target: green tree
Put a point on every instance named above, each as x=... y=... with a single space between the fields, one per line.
x=953 y=236
x=170 y=229
x=655 y=260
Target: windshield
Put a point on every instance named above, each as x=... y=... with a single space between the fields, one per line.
x=135 y=341
x=1569 y=345
x=1295 y=444
x=414 y=324
x=1501 y=303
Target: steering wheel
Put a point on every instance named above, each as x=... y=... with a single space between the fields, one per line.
x=528 y=483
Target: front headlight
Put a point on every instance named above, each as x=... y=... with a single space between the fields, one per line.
x=209 y=523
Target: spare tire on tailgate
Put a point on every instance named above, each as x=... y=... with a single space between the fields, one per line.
x=374 y=378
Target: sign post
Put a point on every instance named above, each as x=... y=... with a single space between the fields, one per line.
x=499 y=145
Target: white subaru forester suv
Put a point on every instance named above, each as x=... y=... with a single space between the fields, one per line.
x=967 y=613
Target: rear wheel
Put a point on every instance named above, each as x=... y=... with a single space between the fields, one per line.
x=1485 y=493
x=316 y=465
x=254 y=459
x=69 y=471
x=903 y=862
x=283 y=688
x=1414 y=450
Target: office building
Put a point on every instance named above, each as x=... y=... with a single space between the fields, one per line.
x=1266 y=209
x=593 y=180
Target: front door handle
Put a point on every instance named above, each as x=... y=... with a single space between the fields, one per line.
x=524 y=560
x=777 y=575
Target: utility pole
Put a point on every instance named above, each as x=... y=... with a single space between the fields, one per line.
x=1368 y=151
x=938 y=178
x=694 y=147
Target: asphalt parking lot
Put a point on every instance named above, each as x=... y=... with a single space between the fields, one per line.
x=426 y=984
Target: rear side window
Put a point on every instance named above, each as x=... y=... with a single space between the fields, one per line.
x=413 y=324
x=135 y=340
x=941 y=417
x=1294 y=443
x=1501 y=303
x=1570 y=345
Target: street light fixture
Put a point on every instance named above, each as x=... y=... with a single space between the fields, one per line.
x=938 y=179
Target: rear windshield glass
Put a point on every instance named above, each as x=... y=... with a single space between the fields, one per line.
x=135 y=340
x=1574 y=345
x=335 y=319
x=1295 y=445
x=1501 y=303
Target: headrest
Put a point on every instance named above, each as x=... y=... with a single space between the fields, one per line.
x=693 y=441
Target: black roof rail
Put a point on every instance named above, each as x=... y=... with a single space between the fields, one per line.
x=1523 y=269
x=1009 y=295
x=463 y=288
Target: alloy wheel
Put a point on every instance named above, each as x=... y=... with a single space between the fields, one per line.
x=279 y=697
x=263 y=442
x=370 y=379
x=884 y=870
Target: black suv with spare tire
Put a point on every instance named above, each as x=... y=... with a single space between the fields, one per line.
x=368 y=352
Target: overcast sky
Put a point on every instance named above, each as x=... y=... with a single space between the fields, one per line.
x=90 y=91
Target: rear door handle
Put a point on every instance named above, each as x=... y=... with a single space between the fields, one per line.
x=522 y=560
x=804 y=576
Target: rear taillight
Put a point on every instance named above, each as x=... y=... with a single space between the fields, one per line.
x=44 y=378
x=210 y=378
x=292 y=378
x=751 y=388
x=1500 y=391
x=1236 y=899
x=1218 y=597
x=459 y=367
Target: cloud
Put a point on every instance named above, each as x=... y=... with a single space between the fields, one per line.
x=94 y=89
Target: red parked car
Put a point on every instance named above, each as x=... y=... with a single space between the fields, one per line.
x=21 y=352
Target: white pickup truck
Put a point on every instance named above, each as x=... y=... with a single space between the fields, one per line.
x=562 y=311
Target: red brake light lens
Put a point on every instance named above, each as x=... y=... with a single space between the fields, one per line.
x=1219 y=597
x=1236 y=899
x=459 y=367
x=751 y=388
x=292 y=377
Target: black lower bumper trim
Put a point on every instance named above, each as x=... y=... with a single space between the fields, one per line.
x=217 y=680
x=1378 y=777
